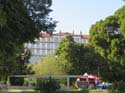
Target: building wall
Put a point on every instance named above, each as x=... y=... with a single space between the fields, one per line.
x=46 y=44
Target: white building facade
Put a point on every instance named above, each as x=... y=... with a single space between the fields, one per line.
x=46 y=44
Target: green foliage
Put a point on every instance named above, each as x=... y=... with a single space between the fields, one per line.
x=16 y=81
x=18 y=64
x=33 y=81
x=48 y=66
x=17 y=25
x=22 y=62
x=21 y=21
x=47 y=85
x=77 y=58
x=108 y=38
x=66 y=52
x=39 y=11
x=4 y=69
x=118 y=87
x=93 y=62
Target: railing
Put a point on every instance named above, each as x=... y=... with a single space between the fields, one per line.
x=68 y=77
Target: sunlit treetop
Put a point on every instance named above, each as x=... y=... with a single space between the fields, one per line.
x=108 y=36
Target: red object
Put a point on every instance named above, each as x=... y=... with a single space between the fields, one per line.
x=97 y=78
x=82 y=79
x=89 y=78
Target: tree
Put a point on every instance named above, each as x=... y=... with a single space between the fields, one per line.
x=22 y=66
x=47 y=85
x=5 y=71
x=78 y=58
x=21 y=21
x=39 y=11
x=18 y=64
x=108 y=38
x=91 y=61
x=48 y=66
x=66 y=52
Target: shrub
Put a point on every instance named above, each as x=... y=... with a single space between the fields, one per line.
x=47 y=85
x=31 y=80
x=118 y=87
x=16 y=81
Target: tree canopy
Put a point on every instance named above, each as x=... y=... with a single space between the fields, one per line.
x=77 y=58
x=22 y=20
x=108 y=36
x=48 y=66
x=65 y=52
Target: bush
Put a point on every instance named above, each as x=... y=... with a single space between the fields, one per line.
x=118 y=87
x=16 y=81
x=47 y=85
x=32 y=81
x=82 y=84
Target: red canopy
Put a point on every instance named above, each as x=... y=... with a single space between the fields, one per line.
x=87 y=77
x=97 y=78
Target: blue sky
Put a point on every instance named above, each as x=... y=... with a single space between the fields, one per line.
x=79 y=15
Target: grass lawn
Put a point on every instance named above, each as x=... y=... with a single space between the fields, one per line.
x=17 y=91
x=99 y=91
x=71 y=91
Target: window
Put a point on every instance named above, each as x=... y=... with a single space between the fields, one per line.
x=34 y=52
x=55 y=45
x=46 y=52
x=34 y=45
x=48 y=45
x=43 y=52
x=40 y=52
x=48 y=39
x=40 y=39
x=51 y=39
x=45 y=39
x=76 y=39
x=43 y=45
x=40 y=45
x=37 y=52
x=85 y=41
x=51 y=46
x=56 y=39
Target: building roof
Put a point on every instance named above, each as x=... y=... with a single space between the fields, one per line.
x=63 y=34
